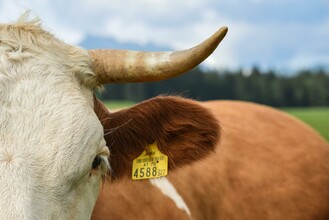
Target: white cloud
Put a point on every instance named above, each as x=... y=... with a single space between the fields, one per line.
x=260 y=32
x=303 y=61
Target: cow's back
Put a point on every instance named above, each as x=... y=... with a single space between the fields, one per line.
x=267 y=166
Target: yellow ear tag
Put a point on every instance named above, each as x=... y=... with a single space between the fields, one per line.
x=150 y=164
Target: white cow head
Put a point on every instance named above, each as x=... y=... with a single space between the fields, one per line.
x=53 y=155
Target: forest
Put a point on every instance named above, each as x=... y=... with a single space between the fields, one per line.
x=304 y=88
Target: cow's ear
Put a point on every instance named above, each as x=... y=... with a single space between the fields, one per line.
x=183 y=130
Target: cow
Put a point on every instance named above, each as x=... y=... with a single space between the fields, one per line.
x=53 y=154
x=268 y=165
x=61 y=149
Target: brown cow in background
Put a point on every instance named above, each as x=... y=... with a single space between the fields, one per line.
x=268 y=165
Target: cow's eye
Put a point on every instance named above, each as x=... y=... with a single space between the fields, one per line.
x=97 y=161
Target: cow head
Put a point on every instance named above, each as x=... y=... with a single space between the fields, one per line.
x=57 y=142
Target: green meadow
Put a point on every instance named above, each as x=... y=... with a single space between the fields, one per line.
x=317 y=117
x=118 y=104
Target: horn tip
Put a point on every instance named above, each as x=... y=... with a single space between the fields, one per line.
x=222 y=31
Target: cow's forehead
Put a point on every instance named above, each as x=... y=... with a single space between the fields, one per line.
x=45 y=103
x=45 y=126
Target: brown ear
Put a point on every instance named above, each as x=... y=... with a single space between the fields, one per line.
x=182 y=129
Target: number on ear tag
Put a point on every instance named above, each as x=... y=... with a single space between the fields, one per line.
x=150 y=164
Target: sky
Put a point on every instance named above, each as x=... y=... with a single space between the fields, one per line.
x=270 y=34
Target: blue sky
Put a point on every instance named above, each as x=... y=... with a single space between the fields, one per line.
x=279 y=34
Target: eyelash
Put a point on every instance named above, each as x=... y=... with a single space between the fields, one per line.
x=101 y=161
x=98 y=160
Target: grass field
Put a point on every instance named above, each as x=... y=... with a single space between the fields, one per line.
x=317 y=117
x=118 y=104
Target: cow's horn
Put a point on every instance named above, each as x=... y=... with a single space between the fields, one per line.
x=134 y=66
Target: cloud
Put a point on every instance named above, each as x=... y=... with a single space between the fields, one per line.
x=271 y=34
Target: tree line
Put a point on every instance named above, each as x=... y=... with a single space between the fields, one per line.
x=304 y=88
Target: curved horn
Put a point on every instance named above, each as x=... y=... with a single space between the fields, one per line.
x=134 y=66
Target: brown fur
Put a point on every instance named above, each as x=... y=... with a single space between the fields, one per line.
x=182 y=129
x=269 y=166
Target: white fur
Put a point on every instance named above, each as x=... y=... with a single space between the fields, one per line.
x=165 y=186
x=49 y=133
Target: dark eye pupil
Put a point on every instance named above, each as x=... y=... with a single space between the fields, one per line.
x=97 y=161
